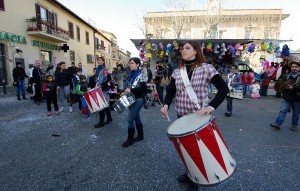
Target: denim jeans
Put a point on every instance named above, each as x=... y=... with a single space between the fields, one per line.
x=229 y=104
x=134 y=112
x=246 y=88
x=284 y=109
x=21 y=87
x=64 y=92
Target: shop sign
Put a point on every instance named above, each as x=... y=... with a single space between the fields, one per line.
x=12 y=37
x=45 y=45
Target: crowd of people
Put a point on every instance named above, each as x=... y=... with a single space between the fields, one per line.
x=190 y=85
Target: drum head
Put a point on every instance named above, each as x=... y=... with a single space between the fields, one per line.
x=188 y=124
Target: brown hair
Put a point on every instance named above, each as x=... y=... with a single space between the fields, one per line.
x=102 y=58
x=200 y=58
x=293 y=62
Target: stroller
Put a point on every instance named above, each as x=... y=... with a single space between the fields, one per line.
x=150 y=94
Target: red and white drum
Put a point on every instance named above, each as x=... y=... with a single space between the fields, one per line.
x=95 y=100
x=202 y=149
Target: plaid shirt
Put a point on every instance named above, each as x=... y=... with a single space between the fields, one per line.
x=200 y=81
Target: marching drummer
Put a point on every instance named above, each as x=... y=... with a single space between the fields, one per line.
x=103 y=78
x=136 y=85
x=193 y=78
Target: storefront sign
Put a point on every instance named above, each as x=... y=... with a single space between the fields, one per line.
x=12 y=37
x=45 y=45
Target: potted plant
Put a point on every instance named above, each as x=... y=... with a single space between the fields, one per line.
x=32 y=23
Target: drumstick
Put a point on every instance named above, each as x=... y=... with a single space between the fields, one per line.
x=162 y=106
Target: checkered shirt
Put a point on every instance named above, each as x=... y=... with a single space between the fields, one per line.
x=200 y=81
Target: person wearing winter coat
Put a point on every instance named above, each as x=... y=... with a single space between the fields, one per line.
x=19 y=76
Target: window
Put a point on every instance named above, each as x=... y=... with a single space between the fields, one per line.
x=78 y=33
x=71 y=30
x=97 y=42
x=90 y=58
x=108 y=49
x=87 y=38
x=72 y=56
x=49 y=19
x=2 y=5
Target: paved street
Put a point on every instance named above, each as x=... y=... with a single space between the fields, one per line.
x=85 y=158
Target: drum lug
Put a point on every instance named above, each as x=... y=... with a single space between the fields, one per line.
x=197 y=179
x=197 y=137
x=213 y=126
x=177 y=140
x=232 y=164
x=217 y=177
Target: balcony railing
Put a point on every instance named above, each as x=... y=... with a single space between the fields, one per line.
x=47 y=30
x=101 y=47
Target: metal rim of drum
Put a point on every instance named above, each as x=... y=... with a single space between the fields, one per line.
x=190 y=132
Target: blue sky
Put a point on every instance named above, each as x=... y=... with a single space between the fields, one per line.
x=120 y=16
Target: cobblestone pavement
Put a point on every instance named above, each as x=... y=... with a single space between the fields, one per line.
x=66 y=152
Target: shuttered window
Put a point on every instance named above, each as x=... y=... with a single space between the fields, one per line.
x=72 y=56
x=78 y=33
x=71 y=30
x=87 y=36
x=2 y=5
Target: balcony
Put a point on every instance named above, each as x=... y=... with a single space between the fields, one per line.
x=46 y=30
x=100 y=47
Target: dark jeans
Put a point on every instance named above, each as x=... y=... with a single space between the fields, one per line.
x=229 y=104
x=51 y=98
x=284 y=109
x=134 y=113
x=38 y=93
x=264 y=90
x=21 y=87
x=103 y=112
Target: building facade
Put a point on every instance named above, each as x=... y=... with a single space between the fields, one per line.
x=46 y=30
x=103 y=44
x=215 y=23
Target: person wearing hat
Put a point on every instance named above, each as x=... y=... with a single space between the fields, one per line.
x=19 y=76
x=50 y=88
x=290 y=97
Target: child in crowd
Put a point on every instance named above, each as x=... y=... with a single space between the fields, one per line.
x=49 y=90
x=75 y=80
x=113 y=93
x=81 y=88
x=255 y=88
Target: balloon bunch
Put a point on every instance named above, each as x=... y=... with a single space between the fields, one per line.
x=285 y=50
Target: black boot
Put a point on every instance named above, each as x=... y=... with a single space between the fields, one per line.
x=108 y=114
x=101 y=121
x=129 y=140
x=100 y=124
x=140 y=136
x=24 y=97
x=18 y=98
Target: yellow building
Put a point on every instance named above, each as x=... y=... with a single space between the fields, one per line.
x=40 y=32
x=103 y=48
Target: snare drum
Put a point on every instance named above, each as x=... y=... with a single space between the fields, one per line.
x=202 y=149
x=95 y=100
x=123 y=103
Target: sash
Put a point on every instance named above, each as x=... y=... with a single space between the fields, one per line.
x=189 y=89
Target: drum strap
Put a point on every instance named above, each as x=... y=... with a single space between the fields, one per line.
x=136 y=80
x=189 y=89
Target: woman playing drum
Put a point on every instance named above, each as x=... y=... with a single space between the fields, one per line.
x=201 y=76
x=136 y=85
